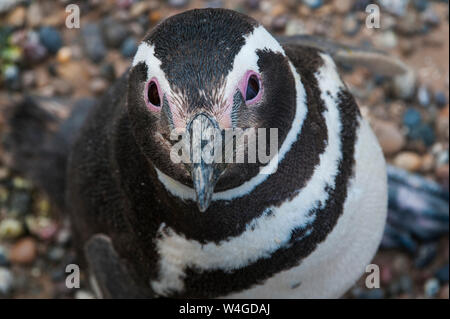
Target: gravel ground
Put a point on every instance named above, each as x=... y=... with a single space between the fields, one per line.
x=39 y=55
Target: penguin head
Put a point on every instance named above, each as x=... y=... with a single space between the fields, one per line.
x=203 y=71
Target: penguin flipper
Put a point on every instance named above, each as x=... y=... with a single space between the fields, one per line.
x=112 y=279
x=41 y=131
x=375 y=60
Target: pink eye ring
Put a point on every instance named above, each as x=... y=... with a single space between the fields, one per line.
x=153 y=95
x=251 y=87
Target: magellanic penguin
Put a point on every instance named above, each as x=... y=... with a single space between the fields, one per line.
x=151 y=227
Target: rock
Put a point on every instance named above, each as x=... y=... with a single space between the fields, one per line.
x=34 y=15
x=252 y=4
x=4 y=260
x=423 y=96
x=428 y=162
x=351 y=25
x=108 y=72
x=64 y=236
x=129 y=47
x=441 y=99
x=313 y=4
x=431 y=287
x=62 y=87
x=98 y=85
x=16 y=17
x=295 y=27
x=93 y=42
x=444 y=292
x=412 y=118
x=442 y=274
x=42 y=227
x=397 y=7
x=410 y=24
x=342 y=6
x=406 y=284
x=64 y=55
x=430 y=17
x=34 y=50
x=403 y=85
x=420 y=5
x=389 y=136
x=178 y=3
x=409 y=161
x=386 y=40
x=279 y=23
x=425 y=255
x=51 y=39
x=10 y=228
x=214 y=4
x=56 y=254
x=442 y=174
x=155 y=16
x=84 y=294
x=11 y=74
x=424 y=133
x=407 y=47
x=442 y=123
x=139 y=8
x=114 y=32
x=6 y=281
x=23 y=252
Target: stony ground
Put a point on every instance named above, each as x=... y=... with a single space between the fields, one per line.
x=39 y=55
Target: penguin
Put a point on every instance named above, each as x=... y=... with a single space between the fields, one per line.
x=150 y=227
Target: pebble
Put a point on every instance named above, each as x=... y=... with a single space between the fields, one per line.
x=397 y=7
x=34 y=15
x=178 y=3
x=51 y=39
x=389 y=136
x=139 y=8
x=342 y=6
x=420 y=5
x=64 y=236
x=12 y=77
x=412 y=118
x=424 y=133
x=441 y=99
x=55 y=254
x=295 y=27
x=279 y=23
x=409 y=24
x=98 y=85
x=114 y=32
x=430 y=17
x=23 y=252
x=129 y=47
x=425 y=255
x=386 y=40
x=423 y=96
x=4 y=261
x=41 y=226
x=444 y=294
x=409 y=161
x=6 y=281
x=16 y=17
x=442 y=274
x=313 y=4
x=406 y=284
x=431 y=287
x=84 y=294
x=403 y=86
x=108 y=72
x=10 y=228
x=351 y=25
x=93 y=42
x=252 y=4
x=154 y=16
x=64 y=55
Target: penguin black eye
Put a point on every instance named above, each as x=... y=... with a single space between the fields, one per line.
x=153 y=94
x=252 y=88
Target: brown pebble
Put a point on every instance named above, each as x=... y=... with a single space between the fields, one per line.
x=389 y=136
x=24 y=251
x=409 y=161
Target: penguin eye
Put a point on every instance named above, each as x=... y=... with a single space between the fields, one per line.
x=152 y=95
x=251 y=87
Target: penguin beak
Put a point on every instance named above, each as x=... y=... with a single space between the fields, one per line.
x=205 y=165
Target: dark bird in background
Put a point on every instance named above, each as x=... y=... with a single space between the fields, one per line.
x=150 y=227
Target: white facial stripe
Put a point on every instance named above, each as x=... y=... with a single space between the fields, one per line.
x=184 y=192
x=268 y=232
x=247 y=59
x=146 y=53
